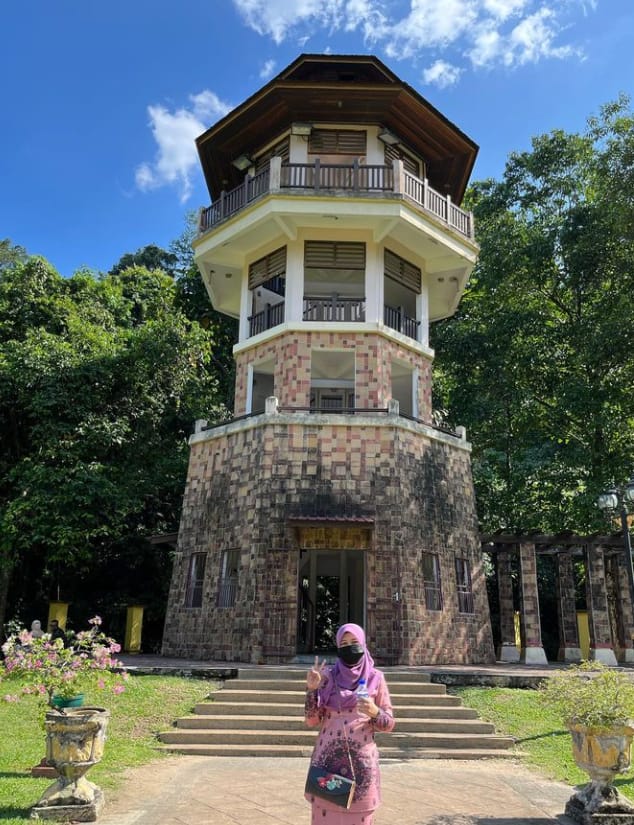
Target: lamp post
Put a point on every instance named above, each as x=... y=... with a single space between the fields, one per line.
x=618 y=499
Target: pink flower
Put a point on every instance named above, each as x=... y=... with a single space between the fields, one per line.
x=117 y=689
x=9 y=698
x=101 y=684
x=96 y=621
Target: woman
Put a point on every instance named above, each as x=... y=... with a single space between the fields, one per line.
x=347 y=726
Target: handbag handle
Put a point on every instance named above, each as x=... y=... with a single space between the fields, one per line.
x=345 y=734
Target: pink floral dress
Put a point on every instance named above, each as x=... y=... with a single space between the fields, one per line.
x=331 y=752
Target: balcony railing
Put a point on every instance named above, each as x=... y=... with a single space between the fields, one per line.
x=269 y=317
x=334 y=309
x=357 y=177
x=395 y=318
x=323 y=178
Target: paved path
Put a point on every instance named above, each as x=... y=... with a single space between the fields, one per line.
x=187 y=790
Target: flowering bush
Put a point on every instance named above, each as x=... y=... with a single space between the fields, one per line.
x=50 y=670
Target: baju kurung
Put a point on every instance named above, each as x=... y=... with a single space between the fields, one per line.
x=343 y=731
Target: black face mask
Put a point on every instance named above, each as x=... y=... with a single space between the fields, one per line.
x=350 y=654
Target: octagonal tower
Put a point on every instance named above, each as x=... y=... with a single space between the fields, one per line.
x=336 y=238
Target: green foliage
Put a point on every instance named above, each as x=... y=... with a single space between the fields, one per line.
x=101 y=378
x=538 y=362
x=592 y=695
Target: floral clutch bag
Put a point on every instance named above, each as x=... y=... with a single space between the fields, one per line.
x=330 y=786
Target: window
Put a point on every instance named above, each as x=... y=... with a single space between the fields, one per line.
x=463 y=585
x=431 y=579
x=337 y=142
x=195 y=580
x=228 y=584
x=409 y=164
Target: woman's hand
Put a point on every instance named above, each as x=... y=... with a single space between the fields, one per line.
x=314 y=675
x=368 y=707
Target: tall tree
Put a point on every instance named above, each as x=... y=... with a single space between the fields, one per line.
x=100 y=381
x=538 y=363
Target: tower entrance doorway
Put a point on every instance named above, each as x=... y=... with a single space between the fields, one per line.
x=331 y=592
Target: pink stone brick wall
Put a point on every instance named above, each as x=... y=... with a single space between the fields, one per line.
x=245 y=488
x=373 y=354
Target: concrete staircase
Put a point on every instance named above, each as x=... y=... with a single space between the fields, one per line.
x=261 y=714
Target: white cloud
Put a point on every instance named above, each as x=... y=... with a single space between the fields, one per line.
x=485 y=33
x=175 y=134
x=267 y=70
x=442 y=74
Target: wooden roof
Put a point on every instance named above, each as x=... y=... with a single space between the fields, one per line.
x=349 y=89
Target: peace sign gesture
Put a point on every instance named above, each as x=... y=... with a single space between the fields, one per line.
x=314 y=675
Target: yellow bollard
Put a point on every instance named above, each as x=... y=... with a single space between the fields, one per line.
x=133 y=628
x=59 y=611
x=584 y=632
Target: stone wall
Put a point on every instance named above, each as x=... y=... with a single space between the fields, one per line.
x=373 y=353
x=250 y=483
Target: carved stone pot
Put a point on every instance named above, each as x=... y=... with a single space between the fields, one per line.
x=74 y=742
x=602 y=754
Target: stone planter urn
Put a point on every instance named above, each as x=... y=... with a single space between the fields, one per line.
x=602 y=753
x=74 y=742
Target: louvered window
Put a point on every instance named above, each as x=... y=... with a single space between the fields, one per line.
x=270 y=266
x=334 y=255
x=337 y=142
x=401 y=271
x=410 y=165
x=280 y=151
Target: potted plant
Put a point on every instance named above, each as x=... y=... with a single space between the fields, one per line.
x=596 y=703
x=57 y=674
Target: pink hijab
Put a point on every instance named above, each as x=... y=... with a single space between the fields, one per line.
x=339 y=692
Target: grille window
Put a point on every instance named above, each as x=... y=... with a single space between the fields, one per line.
x=228 y=583
x=463 y=586
x=195 y=580
x=431 y=579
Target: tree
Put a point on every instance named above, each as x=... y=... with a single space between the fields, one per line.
x=100 y=381
x=538 y=362
x=150 y=257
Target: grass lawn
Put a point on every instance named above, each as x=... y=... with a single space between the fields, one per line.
x=541 y=739
x=149 y=704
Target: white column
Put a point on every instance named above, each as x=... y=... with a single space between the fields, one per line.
x=245 y=310
x=294 y=298
x=374 y=283
x=422 y=313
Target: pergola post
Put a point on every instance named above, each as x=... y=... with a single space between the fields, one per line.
x=569 y=648
x=507 y=651
x=532 y=650
x=625 y=614
x=601 y=649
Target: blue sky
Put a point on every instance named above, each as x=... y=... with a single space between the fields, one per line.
x=101 y=102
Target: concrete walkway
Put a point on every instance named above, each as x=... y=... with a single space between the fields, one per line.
x=189 y=790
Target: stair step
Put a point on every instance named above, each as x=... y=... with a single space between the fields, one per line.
x=299 y=685
x=220 y=708
x=298 y=697
x=234 y=736
x=254 y=750
x=296 y=723
x=261 y=714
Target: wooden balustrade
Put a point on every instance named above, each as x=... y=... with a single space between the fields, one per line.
x=321 y=178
